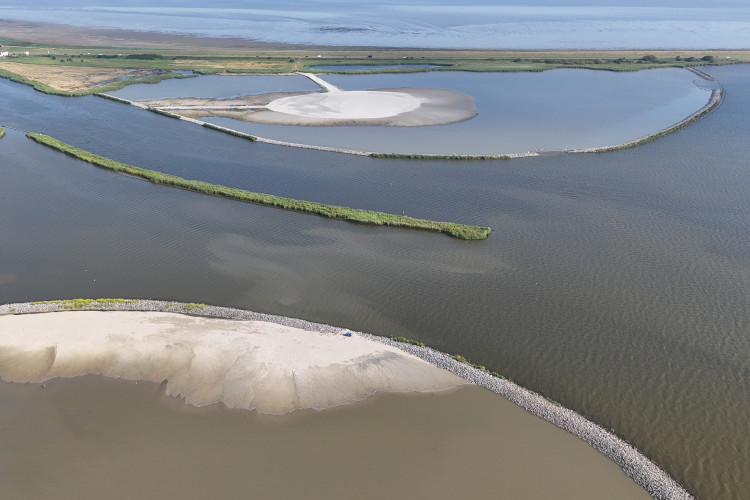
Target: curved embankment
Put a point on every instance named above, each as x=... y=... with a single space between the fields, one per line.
x=644 y=472
x=460 y=231
x=713 y=102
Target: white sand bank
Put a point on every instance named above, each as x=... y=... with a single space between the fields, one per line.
x=354 y=104
x=244 y=364
x=399 y=107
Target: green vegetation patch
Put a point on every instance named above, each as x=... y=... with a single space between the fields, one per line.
x=404 y=340
x=230 y=131
x=462 y=359
x=2 y=132
x=84 y=303
x=165 y=113
x=455 y=230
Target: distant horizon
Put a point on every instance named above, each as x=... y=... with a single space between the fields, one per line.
x=437 y=24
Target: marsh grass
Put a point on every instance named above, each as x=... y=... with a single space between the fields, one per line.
x=165 y=113
x=405 y=340
x=109 y=87
x=84 y=303
x=455 y=230
x=230 y=131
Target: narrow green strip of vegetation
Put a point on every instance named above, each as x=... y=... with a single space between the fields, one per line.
x=462 y=359
x=84 y=303
x=460 y=231
x=405 y=340
x=2 y=132
x=230 y=131
x=165 y=113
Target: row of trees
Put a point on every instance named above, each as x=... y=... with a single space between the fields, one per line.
x=653 y=58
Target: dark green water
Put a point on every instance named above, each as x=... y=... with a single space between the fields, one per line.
x=614 y=283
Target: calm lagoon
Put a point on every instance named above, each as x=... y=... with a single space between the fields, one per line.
x=518 y=112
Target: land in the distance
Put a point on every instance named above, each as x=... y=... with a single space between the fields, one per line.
x=67 y=59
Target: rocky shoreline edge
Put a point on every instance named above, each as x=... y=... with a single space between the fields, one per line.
x=632 y=462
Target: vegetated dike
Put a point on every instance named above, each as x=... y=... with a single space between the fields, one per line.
x=461 y=231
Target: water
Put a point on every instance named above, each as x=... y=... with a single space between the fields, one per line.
x=518 y=112
x=217 y=87
x=613 y=283
x=86 y=438
x=430 y=23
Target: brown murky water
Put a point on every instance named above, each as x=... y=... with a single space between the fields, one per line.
x=97 y=437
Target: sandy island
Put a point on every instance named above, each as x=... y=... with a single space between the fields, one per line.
x=256 y=365
x=398 y=107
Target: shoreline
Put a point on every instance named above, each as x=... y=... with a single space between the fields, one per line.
x=632 y=462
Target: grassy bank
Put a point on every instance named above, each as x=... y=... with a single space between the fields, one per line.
x=109 y=87
x=230 y=131
x=164 y=113
x=2 y=132
x=460 y=231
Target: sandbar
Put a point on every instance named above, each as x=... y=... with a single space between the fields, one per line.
x=267 y=367
x=394 y=107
